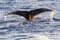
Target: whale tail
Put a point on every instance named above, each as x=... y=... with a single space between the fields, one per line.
x=30 y=14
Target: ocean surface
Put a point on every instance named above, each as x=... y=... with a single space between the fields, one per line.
x=17 y=28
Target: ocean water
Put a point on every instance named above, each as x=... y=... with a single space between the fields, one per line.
x=40 y=29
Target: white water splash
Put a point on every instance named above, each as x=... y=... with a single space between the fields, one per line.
x=52 y=15
x=5 y=18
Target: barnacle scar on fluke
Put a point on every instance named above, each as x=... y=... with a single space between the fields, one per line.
x=30 y=14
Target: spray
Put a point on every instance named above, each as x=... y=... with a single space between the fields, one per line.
x=52 y=15
x=5 y=18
